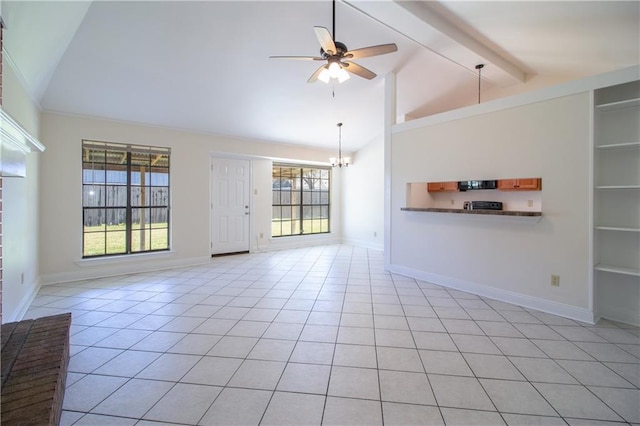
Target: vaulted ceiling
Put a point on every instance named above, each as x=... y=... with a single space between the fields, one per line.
x=204 y=66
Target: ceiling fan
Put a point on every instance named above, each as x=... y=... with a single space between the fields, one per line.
x=339 y=58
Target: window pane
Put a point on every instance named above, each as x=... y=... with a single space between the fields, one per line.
x=140 y=239
x=116 y=242
x=94 y=244
x=140 y=196
x=116 y=196
x=93 y=173
x=160 y=196
x=94 y=220
x=285 y=197
x=115 y=157
x=324 y=197
x=307 y=213
x=116 y=219
x=117 y=174
x=276 y=213
x=160 y=217
x=139 y=218
x=324 y=212
x=295 y=227
x=275 y=196
x=93 y=195
x=159 y=176
x=306 y=197
x=159 y=239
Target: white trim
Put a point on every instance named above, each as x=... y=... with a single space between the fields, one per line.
x=591 y=203
x=300 y=241
x=626 y=316
x=21 y=79
x=561 y=90
x=16 y=136
x=543 y=305
x=390 y=113
x=121 y=269
x=24 y=304
x=135 y=257
x=363 y=244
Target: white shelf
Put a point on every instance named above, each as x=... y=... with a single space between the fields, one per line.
x=618 y=270
x=626 y=145
x=612 y=106
x=617 y=228
x=605 y=187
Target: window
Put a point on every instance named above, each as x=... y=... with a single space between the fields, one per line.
x=300 y=200
x=125 y=199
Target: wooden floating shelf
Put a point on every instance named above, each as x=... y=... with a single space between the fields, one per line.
x=473 y=212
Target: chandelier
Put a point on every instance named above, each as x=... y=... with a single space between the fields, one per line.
x=340 y=161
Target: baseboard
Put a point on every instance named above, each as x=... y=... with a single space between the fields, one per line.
x=24 y=304
x=112 y=270
x=543 y=305
x=626 y=316
x=286 y=243
x=364 y=244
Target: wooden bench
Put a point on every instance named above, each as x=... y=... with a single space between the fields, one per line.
x=35 y=357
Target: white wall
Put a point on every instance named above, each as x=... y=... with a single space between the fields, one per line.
x=363 y=197
x=61 y=213
x=20 y=208
x=508 y=260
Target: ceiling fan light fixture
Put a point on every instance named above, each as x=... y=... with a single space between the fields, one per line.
x=343 y=75
x=324 y=75
x=334 y=69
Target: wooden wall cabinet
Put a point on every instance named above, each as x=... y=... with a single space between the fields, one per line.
x=442 y=186
x=527 y=184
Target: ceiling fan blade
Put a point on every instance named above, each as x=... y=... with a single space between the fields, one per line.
x=358 y=70
x=300 y=58
x=314 y=76
x=366 y=52
x=326 y=41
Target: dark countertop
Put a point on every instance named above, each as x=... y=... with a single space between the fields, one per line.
x=487 y=212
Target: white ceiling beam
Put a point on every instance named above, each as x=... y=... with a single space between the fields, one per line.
x=423 y=23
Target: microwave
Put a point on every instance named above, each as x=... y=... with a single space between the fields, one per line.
x=466 y=185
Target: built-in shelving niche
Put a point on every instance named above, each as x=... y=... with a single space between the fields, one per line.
x=616 y=234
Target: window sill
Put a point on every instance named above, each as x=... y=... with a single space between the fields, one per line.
x=107 y=260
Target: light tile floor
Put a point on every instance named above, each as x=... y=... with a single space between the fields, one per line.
x=325 y=335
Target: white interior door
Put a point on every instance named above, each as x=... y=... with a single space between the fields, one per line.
x=230 y=210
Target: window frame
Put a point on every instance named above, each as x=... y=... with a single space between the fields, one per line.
x=299 y=195
x=138 y=216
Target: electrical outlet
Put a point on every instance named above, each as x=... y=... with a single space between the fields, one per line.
x=555 y=280
x=261 y=235
x=530 y=203
x=22 y=278
x=453 y=202
x=375 y=234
